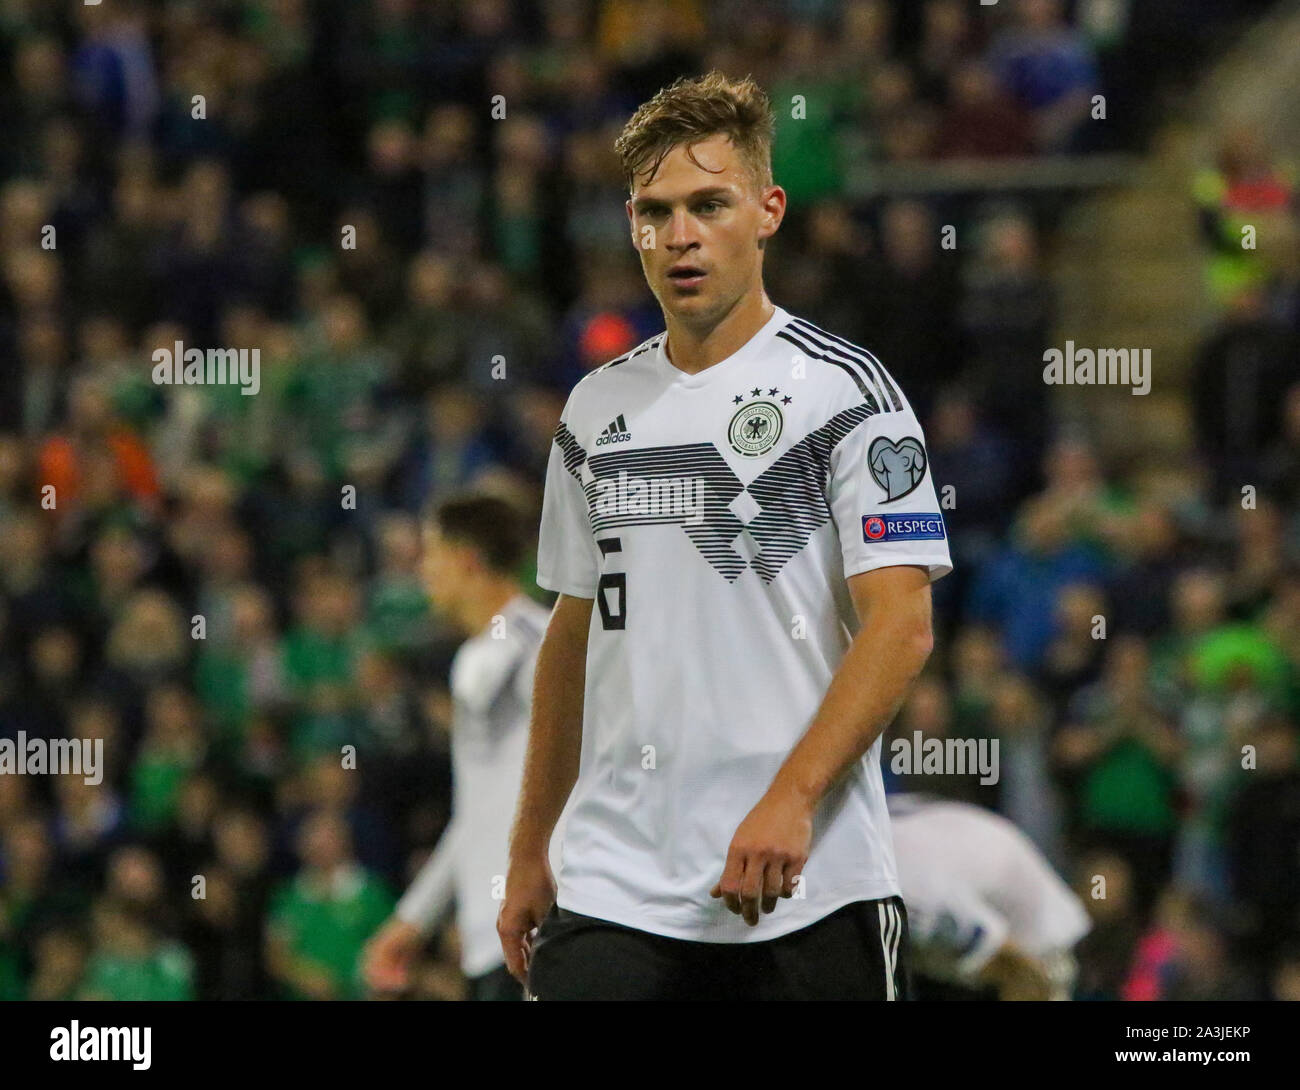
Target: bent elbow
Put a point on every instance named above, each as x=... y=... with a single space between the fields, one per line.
x=923 y=642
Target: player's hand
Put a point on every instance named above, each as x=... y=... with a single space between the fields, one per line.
x=530 y=893
x=386 y=960
x=766 y=856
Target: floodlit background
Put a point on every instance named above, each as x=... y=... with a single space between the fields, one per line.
x=1173 y=515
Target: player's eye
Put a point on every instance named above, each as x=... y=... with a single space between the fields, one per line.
x=709 y=207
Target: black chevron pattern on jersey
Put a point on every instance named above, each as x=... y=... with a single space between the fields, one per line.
x=572 y=450
x=827 y=346
x=792 y=493
x=645 y=346
x=857 y=376
x=691 y=461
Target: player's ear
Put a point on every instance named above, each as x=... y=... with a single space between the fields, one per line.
x=773 y=201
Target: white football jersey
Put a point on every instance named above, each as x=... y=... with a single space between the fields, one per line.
x=972 y=881
x=714 y=518
x=491 y=690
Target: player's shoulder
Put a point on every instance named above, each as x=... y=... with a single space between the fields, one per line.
x=486 y=660
x=527 y=619
x=850 y=371
x=604 y=377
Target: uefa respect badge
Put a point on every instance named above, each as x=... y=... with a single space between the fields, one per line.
x=903 y=526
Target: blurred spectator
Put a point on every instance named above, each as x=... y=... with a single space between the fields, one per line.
x=1184 y=957
x=1049 y=68
x=447 y=451
x=319 y=922
x=1021 y=721
x=913 y=289
x=131 y=961
x=1143 y=586
x=96 y=464
x=1105 y=883
x=1244 y=188
x=1242 y=372
x=1118 y=750
x=981 y=122
x=1263 y=830
x=225 y=928
x=1017 y=589
x=1281 y=464
x=1006 y=313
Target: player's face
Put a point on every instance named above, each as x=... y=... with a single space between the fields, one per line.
x=697 y=226
x=441 y=568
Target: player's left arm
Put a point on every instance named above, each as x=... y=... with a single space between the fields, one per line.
x=894 y=640
x=893 y=544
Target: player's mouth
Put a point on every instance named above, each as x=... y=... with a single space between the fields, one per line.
x=687 y=276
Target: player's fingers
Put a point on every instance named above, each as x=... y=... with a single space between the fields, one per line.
x=514 y=934
x=789 y=877
x=772 y=884
x=751 y=889
x=513 y=950
x=732 y=875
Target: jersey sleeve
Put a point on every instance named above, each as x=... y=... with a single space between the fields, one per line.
x=567 y=558
x=883 y=498
x=483 y=671
x=978 y=933
x=431 y=894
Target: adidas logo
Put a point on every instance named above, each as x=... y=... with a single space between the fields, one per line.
x=616 y=433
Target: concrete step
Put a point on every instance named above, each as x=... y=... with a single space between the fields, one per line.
x=1132 y=288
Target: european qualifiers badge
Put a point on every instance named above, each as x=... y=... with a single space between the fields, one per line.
x=898 y=466
x=756 y=425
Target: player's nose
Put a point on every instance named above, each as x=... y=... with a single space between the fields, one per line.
x=678 y=232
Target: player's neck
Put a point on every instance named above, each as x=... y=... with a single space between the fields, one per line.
x=693 y=349
x=478 y=611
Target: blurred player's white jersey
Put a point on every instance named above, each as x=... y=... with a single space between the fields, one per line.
x=491 y=690
x=714 y=518
x=973 y=881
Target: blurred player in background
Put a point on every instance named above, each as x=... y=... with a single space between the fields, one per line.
x=741 y=524
x=989 y=917
x=473 y=549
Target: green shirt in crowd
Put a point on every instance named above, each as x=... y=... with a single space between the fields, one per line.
x=329 y=925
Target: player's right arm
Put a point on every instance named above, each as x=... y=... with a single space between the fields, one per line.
x=568 y=562
x=550 y=771
x=388 y=956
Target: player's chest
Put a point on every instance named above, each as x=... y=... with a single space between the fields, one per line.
x=746 y=424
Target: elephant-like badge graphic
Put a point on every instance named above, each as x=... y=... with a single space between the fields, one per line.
x=897 y=467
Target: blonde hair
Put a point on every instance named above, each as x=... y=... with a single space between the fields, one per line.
x=691 y=110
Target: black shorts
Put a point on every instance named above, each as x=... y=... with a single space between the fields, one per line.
x=495 y=986
x=857 y=952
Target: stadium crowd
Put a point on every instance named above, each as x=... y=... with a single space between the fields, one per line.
x=226 y=588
